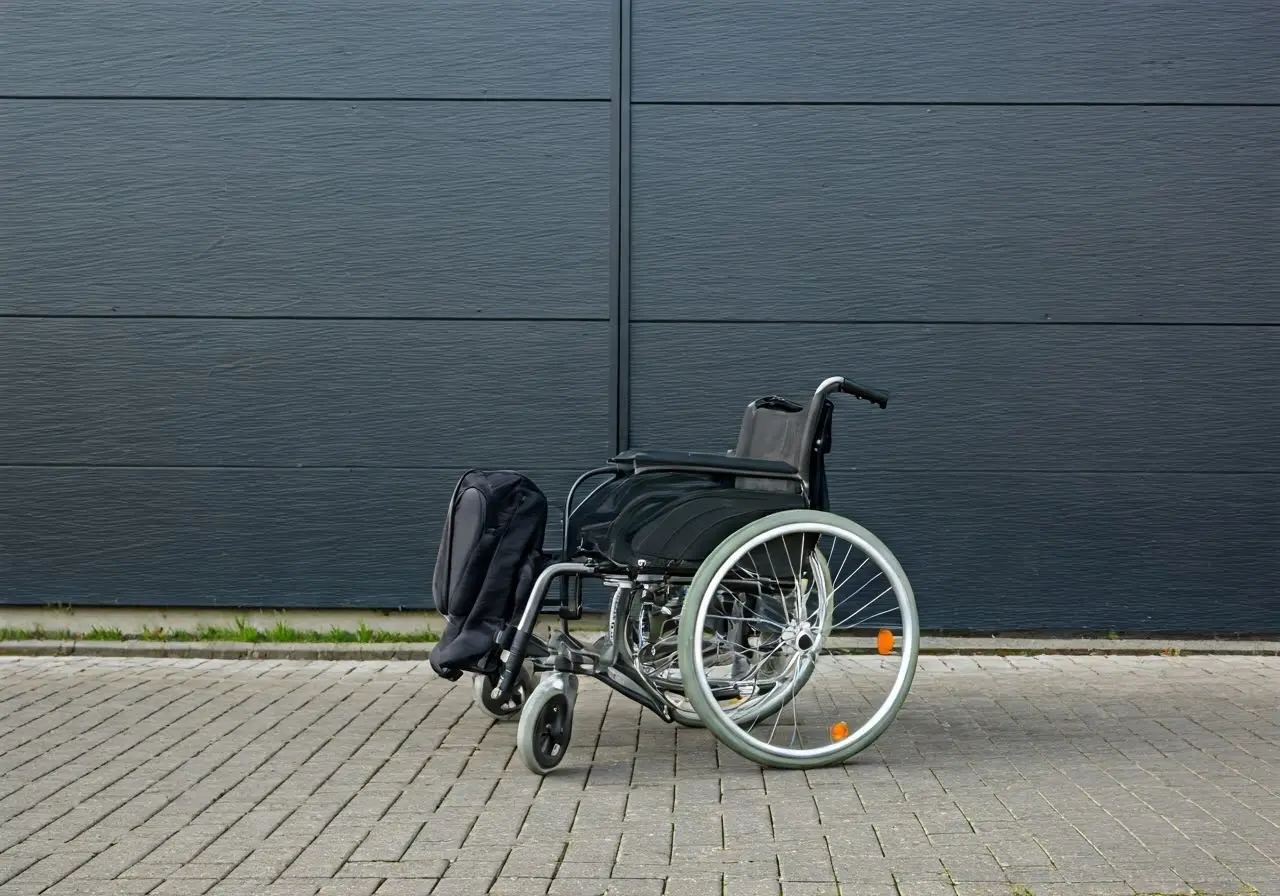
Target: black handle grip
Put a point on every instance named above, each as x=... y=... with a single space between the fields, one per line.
x=851 y=388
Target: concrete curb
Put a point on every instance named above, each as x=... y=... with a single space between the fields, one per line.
x=237 y=650
x=220 y=650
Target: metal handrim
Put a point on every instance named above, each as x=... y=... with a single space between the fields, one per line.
x=780 y=526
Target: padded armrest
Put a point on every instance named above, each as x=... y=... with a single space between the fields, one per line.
x=703 y=462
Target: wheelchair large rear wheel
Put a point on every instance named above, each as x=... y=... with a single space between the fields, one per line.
x=727 y=635
x=841 y=649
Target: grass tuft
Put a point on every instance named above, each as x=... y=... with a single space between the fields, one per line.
x=38 y=633
x=239 y=631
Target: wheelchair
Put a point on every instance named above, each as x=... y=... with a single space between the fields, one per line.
x=731 y=583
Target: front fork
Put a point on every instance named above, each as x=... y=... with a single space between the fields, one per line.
x=618 y=666
x=611 y=660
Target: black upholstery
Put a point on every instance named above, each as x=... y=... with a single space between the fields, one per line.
x=669 y=518
x=669 y=509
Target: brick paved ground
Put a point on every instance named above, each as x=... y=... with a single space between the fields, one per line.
x=1052 y=775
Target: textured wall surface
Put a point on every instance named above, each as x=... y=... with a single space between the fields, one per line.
x=272 y=277
x=300 y=209
x=1026 y=476
x=957 y=213
x=981 y=51
x=411 y=49
x=1048 y=230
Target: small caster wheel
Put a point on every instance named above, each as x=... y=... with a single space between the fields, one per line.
x=482 y=690
x=546 y=725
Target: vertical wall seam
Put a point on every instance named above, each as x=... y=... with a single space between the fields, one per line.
x=615 y=229
x=623 y=431
x=620 y=231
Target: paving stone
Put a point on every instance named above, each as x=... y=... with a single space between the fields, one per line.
x=405 y=888
x=49 y=870
x=420 y=868
x=82 y=887
x=297 y=887
x=508 y=886
x=593 y=870
x=240 y=887
x=184 y=886
x=461 y=886
x=636 y=887
x=693 y=885
x=578 y=886
x=751 y=885
x=983 y=888
x=1063 y=774
x=1078 y=889
x=355 y=887
x=909 y=887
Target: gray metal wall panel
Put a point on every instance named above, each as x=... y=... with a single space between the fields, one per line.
x=225 y=537
x=416 y=48
x=1130 y=552
x=305 y=208
x=979 y=397
x=985 y=551
x=443 y=394
x=956 y=213
x=966 y=50
x=1106 y=477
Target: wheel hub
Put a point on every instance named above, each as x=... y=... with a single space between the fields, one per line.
x=798 y=637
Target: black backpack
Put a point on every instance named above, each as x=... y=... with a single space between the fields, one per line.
x=490 y=555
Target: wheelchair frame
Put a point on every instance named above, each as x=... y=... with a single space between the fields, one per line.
x=613 y=660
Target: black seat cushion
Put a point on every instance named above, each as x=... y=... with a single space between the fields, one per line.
x=670 y=520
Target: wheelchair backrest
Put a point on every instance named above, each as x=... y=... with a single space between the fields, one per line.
x=775 y=428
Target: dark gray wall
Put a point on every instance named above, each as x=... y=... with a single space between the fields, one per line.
x=407 y=49
x=970 y=51
x=271 y=278
x=1049 y=230
x=306 y=208
x=975 y=213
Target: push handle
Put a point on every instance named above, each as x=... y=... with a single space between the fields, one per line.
x=848 y=387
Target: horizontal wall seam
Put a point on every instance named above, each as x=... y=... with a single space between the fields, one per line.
x=290 y=98
x=373 y=98
x=996 y=103
x=831 y=469
x=873 y=322
x=455 y=469
x=353 y=318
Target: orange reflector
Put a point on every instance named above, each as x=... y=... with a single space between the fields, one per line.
x=839 y=731
x=884 y=642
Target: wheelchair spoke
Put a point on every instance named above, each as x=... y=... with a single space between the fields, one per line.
x=837 y=578
x=795 y=723
x=757 y=619
x=846 y=624
x=802 y=704
x=839 y=585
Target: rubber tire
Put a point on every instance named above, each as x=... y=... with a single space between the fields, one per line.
x=545 y=699
x=728 y=734
x=481 y=687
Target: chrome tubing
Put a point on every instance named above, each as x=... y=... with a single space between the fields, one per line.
x=520 y=642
